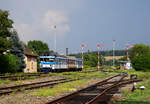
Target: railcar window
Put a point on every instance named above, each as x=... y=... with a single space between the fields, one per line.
x=51 y=60
x=71 y=61
x=41 y=60
x=46 y=60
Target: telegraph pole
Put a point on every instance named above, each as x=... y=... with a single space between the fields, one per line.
x=98 y=55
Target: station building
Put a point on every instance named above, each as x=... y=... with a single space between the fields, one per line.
x=125 y=65
x=31 y=61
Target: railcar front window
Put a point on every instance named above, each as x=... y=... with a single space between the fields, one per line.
x=46 y=60
x=41 y=60
x=51 y=60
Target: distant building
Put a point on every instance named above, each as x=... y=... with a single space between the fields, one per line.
x=108 y=58
x=125 y=65
x=31 y=61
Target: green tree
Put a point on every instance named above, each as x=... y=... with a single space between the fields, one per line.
x=5 y=26
x=90 y=60
x=38 y=47
x=141 y=62
x=8 y=64
x=17 y=49
x=138 y=50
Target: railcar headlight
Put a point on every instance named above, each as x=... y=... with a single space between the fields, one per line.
x=53 y=66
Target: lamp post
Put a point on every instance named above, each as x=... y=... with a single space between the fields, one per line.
x=55 y=38
x=82 y=46
x=98 y=55
x=113 y=53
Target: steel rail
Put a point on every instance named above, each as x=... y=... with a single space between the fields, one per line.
x=26 y=85
x=103 y=95
x=62 y=99
x=21 y=77
x=39 y=85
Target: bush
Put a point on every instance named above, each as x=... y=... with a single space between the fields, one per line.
x=8 y=64
x=141 y=62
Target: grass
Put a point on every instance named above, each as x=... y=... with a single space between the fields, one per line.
x=138 y=96
x=79 y=75
x=61 y=88
x=70 y=86
x=2 y=82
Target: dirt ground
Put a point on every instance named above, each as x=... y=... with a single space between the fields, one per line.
x=27 y=97
x=19 y=82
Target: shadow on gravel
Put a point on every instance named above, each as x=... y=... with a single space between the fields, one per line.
x=134 y=102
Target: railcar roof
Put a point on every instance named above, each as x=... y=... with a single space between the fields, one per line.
x=47 y=56
x=79 y=59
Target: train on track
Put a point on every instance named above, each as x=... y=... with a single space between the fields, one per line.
x=60 y=63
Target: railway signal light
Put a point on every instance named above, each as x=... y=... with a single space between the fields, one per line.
x=83 y=45
x=98 y=56
x=127 y=47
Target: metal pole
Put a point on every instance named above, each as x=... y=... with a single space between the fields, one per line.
x=55 y=38
x=82 y=59
x=66 y=51
x=113 y=53
x=98 y=64
x=127 y=54
x=98 y=56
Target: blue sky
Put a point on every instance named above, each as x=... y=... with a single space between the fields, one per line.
x=81 y=21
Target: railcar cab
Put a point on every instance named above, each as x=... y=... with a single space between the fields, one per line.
x=47 y=63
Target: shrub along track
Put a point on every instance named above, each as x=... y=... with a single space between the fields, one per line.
x=99 y=93
x=50 y=83
x=29 y=75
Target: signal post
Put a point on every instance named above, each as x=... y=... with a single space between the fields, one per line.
x=83 y=45
x=98 y=55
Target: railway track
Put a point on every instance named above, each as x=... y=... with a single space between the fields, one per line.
x=99 y=93
x=29 y=75
x=50 y=83
x=22 y=77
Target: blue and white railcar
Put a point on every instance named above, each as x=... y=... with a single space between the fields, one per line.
x=53 y=63
x=79 y=63
x=47 y=63
x=61 y=63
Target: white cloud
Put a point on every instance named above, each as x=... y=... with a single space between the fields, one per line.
x=44 y=27
x=25 y=31
x=56 y=18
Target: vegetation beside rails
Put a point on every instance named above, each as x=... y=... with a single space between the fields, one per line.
x=71 y=86
x=138 y=96
x=18 y=81
x=81 y=75
x=19 y=74
x=2 y=82
x=61 y=88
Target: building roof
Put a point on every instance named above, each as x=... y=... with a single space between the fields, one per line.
x=28 y=52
